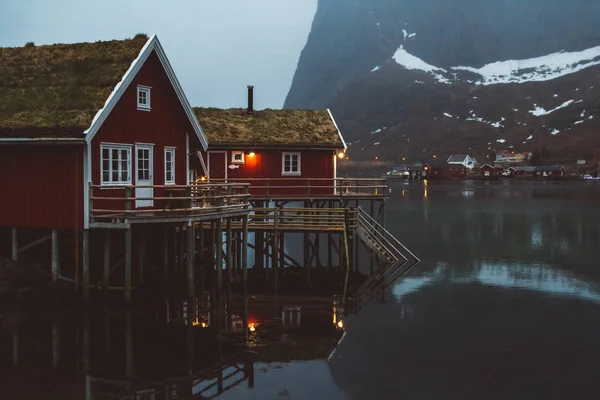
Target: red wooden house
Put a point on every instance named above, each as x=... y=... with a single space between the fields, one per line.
x=86 y=119
x=487 y=171
x=279 y=152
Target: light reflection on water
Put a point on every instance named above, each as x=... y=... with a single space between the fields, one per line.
x=540 y=277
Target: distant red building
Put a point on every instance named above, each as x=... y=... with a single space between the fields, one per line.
x=279 y=152
x=90 y=118
x=487 y=171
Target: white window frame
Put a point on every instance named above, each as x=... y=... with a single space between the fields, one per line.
x=172 y=151
x=237 y=153
x=147 y=90
x=291 y=173
x=110 y=147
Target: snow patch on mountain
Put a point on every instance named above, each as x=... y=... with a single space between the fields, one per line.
x=411 y=62
x=537 y=69
x=540 y=111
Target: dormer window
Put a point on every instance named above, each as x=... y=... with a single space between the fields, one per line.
x=143 y=98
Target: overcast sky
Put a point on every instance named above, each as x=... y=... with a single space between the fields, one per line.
x=217 y=47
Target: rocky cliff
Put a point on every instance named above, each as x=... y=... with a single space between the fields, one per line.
x=417 y=77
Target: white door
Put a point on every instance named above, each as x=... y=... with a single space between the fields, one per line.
x=144 y=172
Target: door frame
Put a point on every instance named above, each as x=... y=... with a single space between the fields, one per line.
x=224 y=161
x=150 y=147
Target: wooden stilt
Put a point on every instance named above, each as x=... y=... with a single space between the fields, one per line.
x=180 y=264
x=141 y=257
x=77 y=259
x=16 y=348
x=166 y=260
x=245 y=273
x=86 y=264
x=219 y=272
x=347 y=262
x=229 y=267
x=200 y=263
x=106 y=269
x=128 y=346
x=190 y=279
x=55 y=344
x=274 y=262
x=15 y=245
x=55 y=257
x=86 y=341
x=128 y=266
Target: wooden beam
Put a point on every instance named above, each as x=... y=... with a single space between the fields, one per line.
x=219 y=271
x=141 y=257
x=229 y=267
x=34 y=243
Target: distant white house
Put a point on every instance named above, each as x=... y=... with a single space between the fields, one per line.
x=464 y=160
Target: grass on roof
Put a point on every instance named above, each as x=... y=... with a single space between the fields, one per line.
x=61 y=85
x=292 y=127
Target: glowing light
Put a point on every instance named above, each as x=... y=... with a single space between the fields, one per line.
x=202 y=178
x=204 y=324
x=434 y=156
x=252 y=327
x=340 y=154
x=251 y=154
x=340 y=324
x=425 y=168
x=377 y=158
x=403 y=158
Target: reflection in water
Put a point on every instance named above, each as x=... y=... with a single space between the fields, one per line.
x=535 y=277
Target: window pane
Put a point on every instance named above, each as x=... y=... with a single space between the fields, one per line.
x=105 y=175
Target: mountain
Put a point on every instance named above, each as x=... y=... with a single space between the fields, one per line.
x=419 y=77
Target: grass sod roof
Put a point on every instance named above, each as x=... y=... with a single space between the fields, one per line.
x=60 y=88
x=268 y=127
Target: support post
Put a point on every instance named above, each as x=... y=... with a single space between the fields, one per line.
x=166 y=259
x=347 y=261
x=55 y=344
x=274 y=261
x=15 y=245
x=245 y=273
x=228 y=262
x=86 y=264
x=141 y=257
x=55 y=259
x=190 y=279
x=128 y=265
x=106 y=269
x=219 y=272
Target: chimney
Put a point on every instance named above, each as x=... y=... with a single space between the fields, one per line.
x=250 y=99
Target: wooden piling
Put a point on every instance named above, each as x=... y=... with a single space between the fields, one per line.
x=15 y=245
x=128 y=265
x=86 y=264
x=55 y=344
x=274 y=262
x=245 y=273
x=166 y=259
x=106 y=267
x=219 y=271
x=55 y=259
x=141 y=257
x=190 y=279
x=228 y=267
x=347 y=262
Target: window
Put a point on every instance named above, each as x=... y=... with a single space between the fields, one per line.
x=143 y=98
x=115 y=164
x=169 y=166
x=290 y=164
x=237 y=157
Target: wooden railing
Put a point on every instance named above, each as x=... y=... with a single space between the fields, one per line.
x=291 y=187
x=298 y=218
x=119 y=202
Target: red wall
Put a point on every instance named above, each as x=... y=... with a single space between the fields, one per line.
x=165 y=125
x=267 y=164
x=41 y=186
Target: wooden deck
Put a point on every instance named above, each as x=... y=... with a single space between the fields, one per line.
x=290 y=188
x=296 y=220
x=180 y=203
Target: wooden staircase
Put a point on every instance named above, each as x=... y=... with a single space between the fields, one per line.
x=397 y=259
